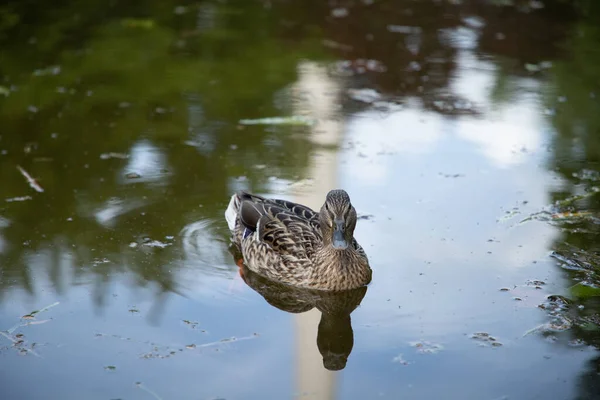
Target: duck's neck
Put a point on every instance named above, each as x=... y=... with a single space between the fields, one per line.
x=332 y=252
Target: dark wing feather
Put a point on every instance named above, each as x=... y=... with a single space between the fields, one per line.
x=250 y=215
x=300 y=210
x=282 y=229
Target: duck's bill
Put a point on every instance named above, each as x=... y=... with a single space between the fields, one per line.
x=339 y=242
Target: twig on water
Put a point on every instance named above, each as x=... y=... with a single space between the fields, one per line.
x=15 y=341
x=232 y=339
x=32 y=182
x=31 y=316
x=139 y=384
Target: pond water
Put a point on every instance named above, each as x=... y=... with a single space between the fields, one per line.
x=461 y=130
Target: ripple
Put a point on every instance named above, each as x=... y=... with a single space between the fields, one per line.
x=209 y=266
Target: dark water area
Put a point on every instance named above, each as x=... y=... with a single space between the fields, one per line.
x=467 y=134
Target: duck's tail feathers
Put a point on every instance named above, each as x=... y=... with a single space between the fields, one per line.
x=232 y=211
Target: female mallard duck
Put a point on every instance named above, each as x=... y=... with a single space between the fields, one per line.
x=292 y=244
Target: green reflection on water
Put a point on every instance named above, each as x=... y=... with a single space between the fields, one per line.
x=163 y=84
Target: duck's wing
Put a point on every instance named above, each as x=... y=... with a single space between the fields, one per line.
x=299 y=210
x=283 y=231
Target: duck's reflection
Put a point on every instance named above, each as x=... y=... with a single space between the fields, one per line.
x=335 y=337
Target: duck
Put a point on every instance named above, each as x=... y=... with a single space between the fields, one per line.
x=294 y=245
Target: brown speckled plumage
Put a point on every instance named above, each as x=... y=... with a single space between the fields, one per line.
x=294 y=245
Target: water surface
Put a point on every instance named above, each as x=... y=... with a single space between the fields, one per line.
x=447 y=122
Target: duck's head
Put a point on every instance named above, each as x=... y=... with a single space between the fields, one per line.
x=338 y=220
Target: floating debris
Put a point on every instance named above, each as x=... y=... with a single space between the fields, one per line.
x=293 y=120
x=98 y=261
x=587 y=175
x=535 y=282
x=132 y=175
x=359 y=66
x=191 y=324
x=110 y=368
x=538 y=67
x=156 y=243
x=33 y=313
x=364 y=95
x=555 y=305
x=32 y=182
x=451 y=105
x=484 y=339
x=509 y=215
x=365 y=216
x=425 y=347
x=558 y=324
x=400 y=360
x=22 y=198
x=17 y=339
x=148 y=390
x=106 y=156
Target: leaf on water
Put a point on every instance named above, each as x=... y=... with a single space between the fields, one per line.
x=137 y=23
x=584 y=291
x=293 y=120
x=110 y=368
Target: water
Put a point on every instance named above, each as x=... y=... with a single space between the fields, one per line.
x=447 y=122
